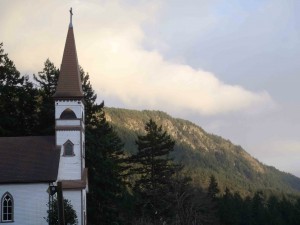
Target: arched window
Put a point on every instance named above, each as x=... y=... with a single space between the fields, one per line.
x=7 y=208
x=68 y=148
x=68 y=114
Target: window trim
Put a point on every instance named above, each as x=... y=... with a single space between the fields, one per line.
x=2 y=208
x=64 y=152
x=68 y=114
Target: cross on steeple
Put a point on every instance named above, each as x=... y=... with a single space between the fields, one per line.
x=71 y=14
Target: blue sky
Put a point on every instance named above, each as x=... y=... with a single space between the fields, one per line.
x=229 y=66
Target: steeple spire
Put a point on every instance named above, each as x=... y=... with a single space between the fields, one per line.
x=69 y=83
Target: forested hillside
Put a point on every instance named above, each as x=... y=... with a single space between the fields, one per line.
x=204 y=154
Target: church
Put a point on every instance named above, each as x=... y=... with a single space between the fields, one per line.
x=31 y=165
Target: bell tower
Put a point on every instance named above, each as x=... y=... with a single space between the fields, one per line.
x=70 y=128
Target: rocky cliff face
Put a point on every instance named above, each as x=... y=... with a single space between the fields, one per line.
x=204 y=154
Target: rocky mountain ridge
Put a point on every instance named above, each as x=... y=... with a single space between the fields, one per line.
x=204 y=154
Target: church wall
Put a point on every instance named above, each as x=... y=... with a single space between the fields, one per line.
x=76 y=198
x=30 y=202
x=70 y=167
x=83 y=150
x=68 y=123
x=76 y=106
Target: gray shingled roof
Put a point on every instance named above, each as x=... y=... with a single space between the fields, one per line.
x=31 y=159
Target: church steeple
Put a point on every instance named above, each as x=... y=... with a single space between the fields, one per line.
x=70 y=129
x=69 y=83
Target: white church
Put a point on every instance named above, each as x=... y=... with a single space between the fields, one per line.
x=30 y=165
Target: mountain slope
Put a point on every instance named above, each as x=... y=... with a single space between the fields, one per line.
x=204 y=154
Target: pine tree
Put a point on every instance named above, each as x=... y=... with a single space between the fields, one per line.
x=155 y=169
x=258 y=209
x=90 y=96
x=104 y=159
x=213 y=188
x=17 y=100
x=47 y=82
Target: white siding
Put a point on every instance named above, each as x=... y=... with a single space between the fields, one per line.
x=76 y=106
x=30 y=202
x=75 y=197
x=68 y=123
x=70 y=167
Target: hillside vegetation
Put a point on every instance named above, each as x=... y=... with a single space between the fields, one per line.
x=205 y=154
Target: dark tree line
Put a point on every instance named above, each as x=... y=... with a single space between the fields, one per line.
x=17 y=100
x=144 y=188
x=258 y=210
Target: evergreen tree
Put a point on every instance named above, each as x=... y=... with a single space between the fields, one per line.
x=192 y=205
x=273 y=211
x=258 y=210
x=104 y=160
x=90 y=97
x=47 y=82
x=69 y=213
x=155 y=169
x=213 y=188
x=227 y=209
x=17 y=100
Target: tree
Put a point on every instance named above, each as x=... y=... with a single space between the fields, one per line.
x=17 y=100
x=258 y=215
x=89 y=97
x=69 y=213
x=192 y=205
x=104 y=158
x=47 y=82
x=155 y=169
x=213 y=188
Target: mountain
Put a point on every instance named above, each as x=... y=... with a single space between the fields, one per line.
x=205 y=154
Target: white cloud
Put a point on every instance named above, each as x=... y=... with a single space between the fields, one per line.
x=109 y=38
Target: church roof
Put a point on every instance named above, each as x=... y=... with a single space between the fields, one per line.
x=31 y=159
x=69 y=82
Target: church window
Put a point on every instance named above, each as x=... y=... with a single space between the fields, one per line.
x=68 y=114
x=7 y=208
x=68 y=149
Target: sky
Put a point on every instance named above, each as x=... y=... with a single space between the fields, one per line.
x=231 y=67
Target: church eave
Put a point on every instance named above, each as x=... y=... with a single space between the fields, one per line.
x=67 y=97
x=27 y=181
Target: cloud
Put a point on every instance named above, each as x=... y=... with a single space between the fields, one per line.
x=110 y=36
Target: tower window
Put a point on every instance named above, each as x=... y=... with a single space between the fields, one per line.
x=68 y=149
x=68 y=114
x=7 y=209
